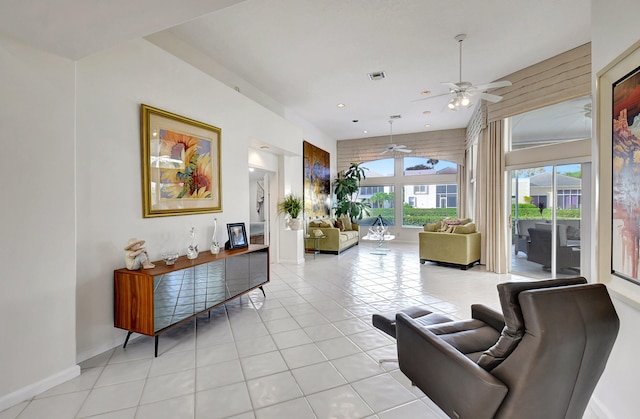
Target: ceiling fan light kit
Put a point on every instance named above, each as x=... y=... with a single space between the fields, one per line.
x=464 y=91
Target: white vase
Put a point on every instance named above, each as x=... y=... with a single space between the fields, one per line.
x=192 y=249
x=295 y=224
x=215 y=248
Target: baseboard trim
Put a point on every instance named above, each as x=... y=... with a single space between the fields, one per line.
x=113 y=343
x=28 y=392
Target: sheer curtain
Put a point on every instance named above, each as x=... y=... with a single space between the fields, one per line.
x=490 y=191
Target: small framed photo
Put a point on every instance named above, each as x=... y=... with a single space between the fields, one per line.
x=237 y=236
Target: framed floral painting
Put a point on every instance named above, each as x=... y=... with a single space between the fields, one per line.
x=180 y=164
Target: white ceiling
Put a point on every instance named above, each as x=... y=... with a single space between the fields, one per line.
x=310 y=55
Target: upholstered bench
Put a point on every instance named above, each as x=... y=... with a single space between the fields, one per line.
x=387 y=321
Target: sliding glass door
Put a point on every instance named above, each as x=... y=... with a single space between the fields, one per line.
x=546 y=213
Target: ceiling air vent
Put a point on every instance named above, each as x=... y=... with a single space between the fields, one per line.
x=378 y=75
x=395 y=116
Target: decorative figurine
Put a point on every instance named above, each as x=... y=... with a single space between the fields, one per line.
x=192 y=249
x=136 y=256
x=215 y=247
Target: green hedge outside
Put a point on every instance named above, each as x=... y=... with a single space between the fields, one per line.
x=412 y=216
x=531 y=212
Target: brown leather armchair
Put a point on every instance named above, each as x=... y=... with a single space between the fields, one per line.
x=549 y=356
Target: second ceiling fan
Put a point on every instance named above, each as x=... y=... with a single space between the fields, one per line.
x=464 y=91
x=392 y=147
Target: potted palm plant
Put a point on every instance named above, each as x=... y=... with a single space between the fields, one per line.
x=346 y=187
x=291 y=206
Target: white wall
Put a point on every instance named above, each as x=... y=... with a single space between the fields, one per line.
x=37 y=222
x=111 y=85
x=614 y=29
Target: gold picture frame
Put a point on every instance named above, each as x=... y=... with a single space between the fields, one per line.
x=180 y=164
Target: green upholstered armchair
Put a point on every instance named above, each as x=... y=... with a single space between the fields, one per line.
x=457 y=244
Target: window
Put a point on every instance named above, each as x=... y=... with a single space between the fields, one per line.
x=569 y=198
x=420 y=189
x=382 y=200
x=428 y=203
x=379 y=168
x=416 y=166
x=426 y=190
x=565 y=121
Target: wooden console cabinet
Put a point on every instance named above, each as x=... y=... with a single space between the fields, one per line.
x=152 y=301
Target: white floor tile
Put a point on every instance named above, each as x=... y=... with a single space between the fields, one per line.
x=222 y=402
x=55 y=407
x=111 y=398
x=301 y=356
x=257 y=345
x=179 y=407
x=272 y=389
x=337 y=348
x=341 y=402
x=382 y=392
x=414 y=409
x=219 y=375
x=123 y=372
x=318 y=377
x=292 y=338
x=168 y=386
x=357 y=366
x=297 y=408
x=263 y=364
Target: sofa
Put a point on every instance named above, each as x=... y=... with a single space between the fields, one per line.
x=451 y=243
x=340 y=235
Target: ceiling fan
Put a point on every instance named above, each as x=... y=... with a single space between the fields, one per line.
x=391 y=147
x=464 y=91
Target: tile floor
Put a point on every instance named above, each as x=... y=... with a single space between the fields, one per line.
x=307 y=350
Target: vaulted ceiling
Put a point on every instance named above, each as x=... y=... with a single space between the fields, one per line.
x=311 y=55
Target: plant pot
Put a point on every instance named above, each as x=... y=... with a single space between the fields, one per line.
x=295 y=224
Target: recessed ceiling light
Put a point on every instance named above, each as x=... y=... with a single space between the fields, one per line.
x=341 y=105
x=425 y=92
x=427 y=125
x=365 y=131
x=426 y=113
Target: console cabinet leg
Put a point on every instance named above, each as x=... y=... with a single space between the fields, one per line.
x=156 y=351
x=126 y=340
x=262 y=289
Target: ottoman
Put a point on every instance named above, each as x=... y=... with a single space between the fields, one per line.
x=387 y=321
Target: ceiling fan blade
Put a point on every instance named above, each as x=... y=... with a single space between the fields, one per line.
x=489 y=97
x=451 y=85
x=493 y=85
x=431 y=97
x=399 y=146
x=404 y=150
x=384 y=152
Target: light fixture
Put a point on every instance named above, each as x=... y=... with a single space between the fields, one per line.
x=341 y=105
x=461 y=99
x=427 y=125
x=426 y=113
x=425 y=92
